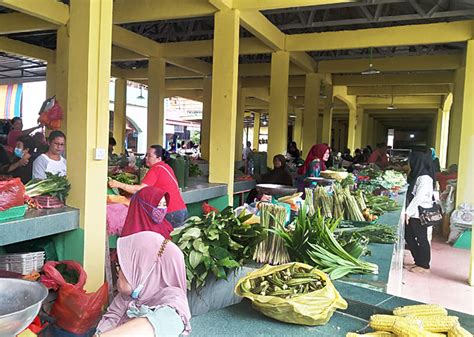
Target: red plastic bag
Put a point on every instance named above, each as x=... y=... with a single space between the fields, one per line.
x=12 y=193
x=53 y=279
x=77 y=311
x=51 y=114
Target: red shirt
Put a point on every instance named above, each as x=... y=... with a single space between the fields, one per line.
x=378 y=158
x=161 y=175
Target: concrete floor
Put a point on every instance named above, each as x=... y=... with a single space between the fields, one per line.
x=447 y=282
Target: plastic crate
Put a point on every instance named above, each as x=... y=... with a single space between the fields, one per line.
x=13 y=213
x=464 y=240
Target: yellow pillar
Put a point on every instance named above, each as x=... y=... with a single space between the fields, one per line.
x=370 y=132
x=256 y=130
x=206 y=117
x=456 y=117
x=62 y=70
x=239 y=132
x=156 y=101
x=466 y=150
x=278 y=115
x=88 y=106
x=444 y=132
x=311 y=111
x=120 y=114
x=327 y=117
x=365 y=127
x=298 y=128
x=224 y=99
x=354 y=137
x=50 y=79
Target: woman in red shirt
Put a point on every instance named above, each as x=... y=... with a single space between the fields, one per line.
x=160 y=175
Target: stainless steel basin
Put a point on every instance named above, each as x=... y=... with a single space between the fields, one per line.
x=274 y=189
x=20 y=302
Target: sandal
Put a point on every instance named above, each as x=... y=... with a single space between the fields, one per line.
x=409 y=265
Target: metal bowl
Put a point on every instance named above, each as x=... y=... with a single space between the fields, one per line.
x=274 y=189
x=321 y=181
x=20 y=302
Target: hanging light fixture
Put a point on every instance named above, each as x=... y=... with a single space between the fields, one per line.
x=371 y=70
x=141 y=93
x=392 y=106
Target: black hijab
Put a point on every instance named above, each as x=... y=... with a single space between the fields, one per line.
x=280 y=175
x=420 y=165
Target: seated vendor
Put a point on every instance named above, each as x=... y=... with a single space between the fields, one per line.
x=151 y=286
x=52 y=161
x=315 y=161
x=22 y=164
x=280 y=174
x=379 y=157
x=443 y=177
x=160 y=175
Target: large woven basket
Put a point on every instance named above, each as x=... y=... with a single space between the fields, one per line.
x=334 y=175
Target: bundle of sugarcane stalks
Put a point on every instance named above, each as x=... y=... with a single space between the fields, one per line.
x=272 y=250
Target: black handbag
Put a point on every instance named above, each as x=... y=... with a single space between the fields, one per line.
x=432 y=216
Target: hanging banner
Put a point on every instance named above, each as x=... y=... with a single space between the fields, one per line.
x=10 y=100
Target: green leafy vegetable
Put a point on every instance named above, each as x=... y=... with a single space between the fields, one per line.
x=54 y=185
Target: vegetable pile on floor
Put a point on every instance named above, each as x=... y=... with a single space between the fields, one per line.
x=425 y=320
x=216 y=244
x=272 y=249
x=54 y=185
x=313 y=242
x=295 y=293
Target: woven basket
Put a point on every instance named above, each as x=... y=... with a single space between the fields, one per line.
x=334 y=175
x=47 y=201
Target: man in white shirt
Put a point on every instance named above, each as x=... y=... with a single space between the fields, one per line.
x=51 y=161
x=246 y=154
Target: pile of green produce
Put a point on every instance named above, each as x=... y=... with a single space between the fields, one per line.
x=194 y=170
x=312 y=241
x=126 y=178
x=291 y=282
x=377 y=233
x=342 y=204
x=272 y=249
x=380 y=204
x=377 y=179
x=216 y=244
x=54 y=185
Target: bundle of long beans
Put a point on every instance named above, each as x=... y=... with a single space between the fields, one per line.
x=272 y=250
x=309 y=200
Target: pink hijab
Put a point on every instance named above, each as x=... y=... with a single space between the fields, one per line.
x=317 y=151
x=166 y=285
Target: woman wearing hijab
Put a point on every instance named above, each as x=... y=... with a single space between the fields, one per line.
x=152 y=297
x=147 y=212
x=279 y=175
x=419 y=194
x=435 y=159
x=315 y=161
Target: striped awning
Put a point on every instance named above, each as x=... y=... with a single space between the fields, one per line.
x=10 y=100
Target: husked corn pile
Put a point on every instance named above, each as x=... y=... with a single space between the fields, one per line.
x=424 y=320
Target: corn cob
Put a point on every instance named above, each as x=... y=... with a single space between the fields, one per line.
x=404 y=328
x=438 y=323
x=387 y=322
x=420 y=310
x=371 y=334
x=459 y=331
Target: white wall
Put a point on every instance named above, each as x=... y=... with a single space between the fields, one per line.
x=34 y=94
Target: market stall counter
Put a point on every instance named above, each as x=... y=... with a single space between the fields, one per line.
x=39 y=223
x=242 y=320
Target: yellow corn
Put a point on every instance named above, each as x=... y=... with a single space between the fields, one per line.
x=404 y=328
x=438 y=323
x=420 y=310
x=459 y=331
x=386 y=322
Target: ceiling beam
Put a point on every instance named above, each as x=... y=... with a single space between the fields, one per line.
x=399 y=100
x=303 y=61
x=264 y=69
x=258 y=25
x=440 y=77
x=52 y=11
x=276 y=4
x=259 y=82
x=152 y=10
x=247 y=46
x=11 y=23
x=399 y=90
x=185 y=84
x=395 y=63
x=25 y=49
x=137 y=43
x=191 y=64
x=382 y=37
x=122 y=54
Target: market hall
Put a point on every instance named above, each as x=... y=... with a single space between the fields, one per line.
x=345 y=74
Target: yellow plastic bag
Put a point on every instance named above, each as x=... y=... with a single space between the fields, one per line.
x=314 y=308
